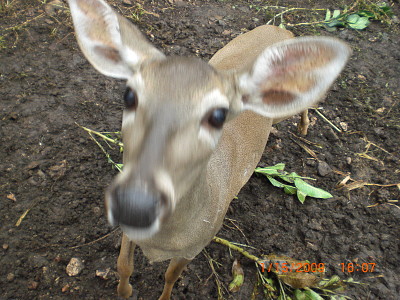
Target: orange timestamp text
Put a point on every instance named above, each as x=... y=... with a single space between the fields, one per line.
x=295 y=267
x=355 y=267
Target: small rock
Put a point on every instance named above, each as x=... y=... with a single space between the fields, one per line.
x=97 y=211
x=32 y=165
x=103 y=273
x=5 y=246
x=331 y=135
x=58 y=170
x=33 y=285
x=74 y=267
x=221 y=22
x=312 y=246
x=348 y=160
x=37 y=261
x=344 y=126
x=41 y=174
x=311 y=162
x=323 y=168
x=10 y=277
x=65 y=288
x=11 y=196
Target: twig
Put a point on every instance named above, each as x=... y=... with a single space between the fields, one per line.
x=289 y=10
x=236 y=248
x=25 y=213
x=24 y=23
x=101 y=135
x=217 y=280
x=238 y=228
x=95 y=241
x=326 y=119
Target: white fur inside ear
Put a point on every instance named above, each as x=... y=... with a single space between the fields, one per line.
x=290 y=76
x=102 y=46
x=131 y=57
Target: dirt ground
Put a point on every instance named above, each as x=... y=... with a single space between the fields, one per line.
x=51 y=169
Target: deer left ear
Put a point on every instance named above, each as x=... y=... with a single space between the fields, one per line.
x=290 y=76
x=113 y=45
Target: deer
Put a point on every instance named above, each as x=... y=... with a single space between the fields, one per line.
x=193 y=132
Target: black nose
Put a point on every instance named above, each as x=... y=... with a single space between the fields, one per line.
x=134 y=207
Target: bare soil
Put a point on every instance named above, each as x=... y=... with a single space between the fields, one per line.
x=51 y=169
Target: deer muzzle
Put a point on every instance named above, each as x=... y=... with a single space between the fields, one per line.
x=139 y=208
x=135 y=207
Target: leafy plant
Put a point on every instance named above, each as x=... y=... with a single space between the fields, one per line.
x=356 y=19
x=358 y=16
x=295 y=185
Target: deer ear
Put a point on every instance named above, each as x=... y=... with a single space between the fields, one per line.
x=290 y=76
x=113 y=45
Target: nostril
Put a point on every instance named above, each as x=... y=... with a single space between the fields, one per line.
x=135 y=207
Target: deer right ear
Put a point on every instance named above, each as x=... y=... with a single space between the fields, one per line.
x=290 y=76
x=112 y=44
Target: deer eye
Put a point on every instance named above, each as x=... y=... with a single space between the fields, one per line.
x=130 y=99
x=216 y=117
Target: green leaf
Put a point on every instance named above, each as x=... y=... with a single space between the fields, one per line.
x=290 y=190
x=275 y=182
x=335 y=23
x=328 y=15
x=299 y=295
x=310 y=190
x=336 y=13
x=301 y=196
x=326 y=283
x=271 y=170
x=366 y=13
x=353 y=18
x=361 y=23
x=288 y=177
x=310 y=294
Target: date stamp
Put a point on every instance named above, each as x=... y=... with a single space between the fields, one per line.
x=291 y=267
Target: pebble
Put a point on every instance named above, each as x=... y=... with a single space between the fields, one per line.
x=103 y=273
x=65 y=288
x=33 y=285
x=97 y=211
x=10 y=277
x=74 y=267
x=323 y=168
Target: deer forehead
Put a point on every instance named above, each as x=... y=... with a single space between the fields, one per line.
x=180 y=83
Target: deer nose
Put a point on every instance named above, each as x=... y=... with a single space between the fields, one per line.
x=135 y=207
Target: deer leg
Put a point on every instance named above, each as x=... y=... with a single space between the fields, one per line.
x=125 y=267
x=174 y=270
x=304 y=122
